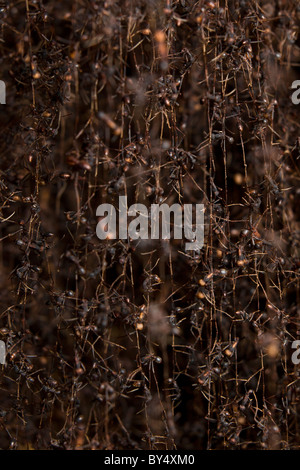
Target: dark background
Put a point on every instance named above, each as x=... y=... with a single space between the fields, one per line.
x=126 y=345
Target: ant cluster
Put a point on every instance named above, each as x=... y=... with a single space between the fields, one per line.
x=142 y=344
